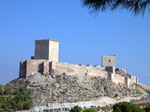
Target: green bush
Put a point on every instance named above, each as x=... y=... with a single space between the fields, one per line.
x=126 y=107
x=1 y=110
x=7 y=91
x=1 y=90
x=17 y=99
x=3 y=101
x=27 y=105
x=76 y=109
x=90 y=110
x=147 y=108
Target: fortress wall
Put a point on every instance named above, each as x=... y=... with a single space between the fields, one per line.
x=72 y=69
x=127 y=81
x=95 y=72
x=22 y=70
x=134 y=80
x=34 y=66
x=30 y=67
x=119 y=79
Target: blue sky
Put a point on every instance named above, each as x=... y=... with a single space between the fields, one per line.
x=84 y=38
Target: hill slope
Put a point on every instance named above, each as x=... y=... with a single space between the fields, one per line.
x=65 y=88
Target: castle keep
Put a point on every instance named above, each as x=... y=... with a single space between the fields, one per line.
x=46 y=49
x=46 y=62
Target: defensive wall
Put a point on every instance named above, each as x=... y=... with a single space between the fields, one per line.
x=46 y=67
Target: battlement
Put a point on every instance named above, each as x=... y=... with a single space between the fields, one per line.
x=47 y=40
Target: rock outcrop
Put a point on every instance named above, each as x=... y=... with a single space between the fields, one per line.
x=66 y=88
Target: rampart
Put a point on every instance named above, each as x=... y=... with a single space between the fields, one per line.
x=46 y=67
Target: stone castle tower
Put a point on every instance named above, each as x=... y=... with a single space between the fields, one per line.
x=109 y=61
x=46 y=52
x=47 y=49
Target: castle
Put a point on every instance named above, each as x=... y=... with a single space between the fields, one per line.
x=45 y=61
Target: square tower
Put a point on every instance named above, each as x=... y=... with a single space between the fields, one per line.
x=47 y=49
x=109 y=61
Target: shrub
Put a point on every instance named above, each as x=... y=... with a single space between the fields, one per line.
x=3 y=100
x=147 y=108
x=19 y=106
x=7 y=91
x=11 y=100
x=1 y=110
x=90 y=110
x=76 y=109
x=1 y=90
x=27 y=105
x=126 y=107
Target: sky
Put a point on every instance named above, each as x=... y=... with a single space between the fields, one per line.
x=84 y=37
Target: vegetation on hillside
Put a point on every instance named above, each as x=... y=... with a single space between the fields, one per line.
x=147 y=108
x=118 y=107
x=127 y=107
x=14 y=99
x=76 y=109
x=90 y=110
x=79 y=109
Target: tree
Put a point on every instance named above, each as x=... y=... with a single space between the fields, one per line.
x=137 y=6
x=126 y=107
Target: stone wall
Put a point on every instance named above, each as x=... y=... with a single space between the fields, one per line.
x=119 y=79
x=73 y=69
x=54 y=51
x=45 y=67
x=41 y=49
x=110 y=69
x=47 y=49
x=134 y=79
x=22 y=69
x=30 y=67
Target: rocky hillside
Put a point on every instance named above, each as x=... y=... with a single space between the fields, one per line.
x=65 y=88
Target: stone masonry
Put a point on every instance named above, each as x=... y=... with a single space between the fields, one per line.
x=46 y=49
x=109 y=61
